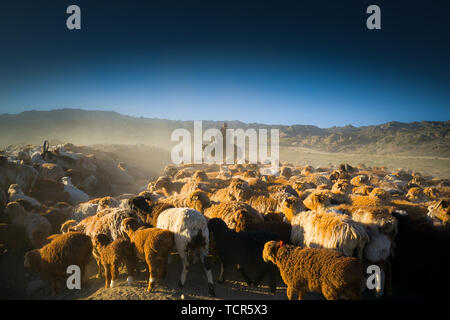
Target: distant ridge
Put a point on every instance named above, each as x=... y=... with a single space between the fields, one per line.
x=425 y=138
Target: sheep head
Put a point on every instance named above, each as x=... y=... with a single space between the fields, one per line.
x=291 y=206
x=68 y=226
x=101 y=240
x=200 y=175
x=270 y=251
x=15 y=213
x=241 y=219
x=129 y=225
x=198 y=200
x=32 y=259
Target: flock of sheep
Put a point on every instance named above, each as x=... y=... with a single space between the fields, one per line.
x=319 y=228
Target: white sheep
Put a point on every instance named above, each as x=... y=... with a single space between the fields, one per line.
x=329 y=230
x=191 y=236
x=76 y=195
x=84 y=210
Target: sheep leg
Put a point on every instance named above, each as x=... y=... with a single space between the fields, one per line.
x=259 y=278
x=130 y=265
x=99 y=268
x=222 y=273
x=290 y=293
x=246 y=278
x=329 y=293
x=207 y=267
x=114 y=271
x=54 y=287
x=107 y=275
x=185 y=268
x=151 y=271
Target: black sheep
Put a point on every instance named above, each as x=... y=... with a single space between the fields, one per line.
x=421 y=264
x=243 y=249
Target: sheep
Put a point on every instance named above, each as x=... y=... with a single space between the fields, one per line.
x=57 y=215
x=316 y=270
x=76 y=195
x=50 y=171
x=291 y=207
x=112 y=255
x=52 y=260
x=153 y=246
x=440 y=211
x=322 y=199
x=84 y=210
x=107 y=222
x=422 y=259
x=229 y=210
x=167 y=186
x=3 y=202
x=381 y=227
x=147 y=211
x=13 y=238
x=38 y=228
x=49 y=191
x=329 y=230
x=15 y=193
x=191 y=236
x=243 y=249
x=280 y=228
x=68 y=226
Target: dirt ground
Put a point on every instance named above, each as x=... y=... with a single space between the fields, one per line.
x=16 y=282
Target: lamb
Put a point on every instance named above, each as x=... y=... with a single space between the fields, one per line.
x=152 y=245
x=316 y=270
x=112 y=255
x=329 y=230
x=107 y=222
x=52 y=260
x=76 y=195
x=191 y=236
x=243 y=249
x=38 y=228
x=280 y=228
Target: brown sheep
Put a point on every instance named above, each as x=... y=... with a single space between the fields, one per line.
x=112 y=255
x=153 y=246
x=280 y=228
x=316 y=270
x=52 y=260
x=319 y=200
x=167 y=186
x=49 y=191
x=227 y=211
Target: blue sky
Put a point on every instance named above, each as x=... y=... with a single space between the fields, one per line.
x=323 y=69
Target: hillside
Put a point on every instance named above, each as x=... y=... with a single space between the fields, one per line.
x=99 y=127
